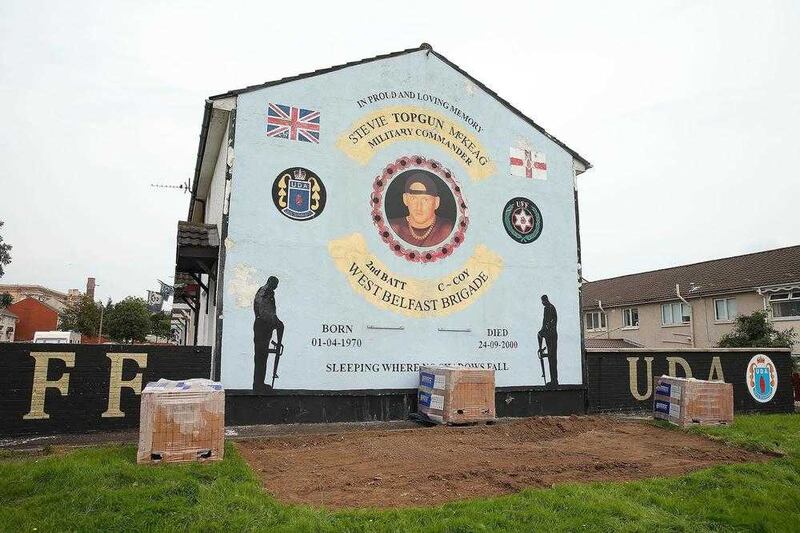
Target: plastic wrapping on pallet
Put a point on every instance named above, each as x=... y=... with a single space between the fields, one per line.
x=182 y=421
x=687 y=401
x=456 y=395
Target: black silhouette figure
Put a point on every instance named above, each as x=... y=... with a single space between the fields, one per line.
x=265 y=323
x=550 y=335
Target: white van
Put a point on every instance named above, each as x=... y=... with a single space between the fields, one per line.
x=56 y=337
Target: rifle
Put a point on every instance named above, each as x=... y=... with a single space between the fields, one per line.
x=277 y=349
x=542 y=355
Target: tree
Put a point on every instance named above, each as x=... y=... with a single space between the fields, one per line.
x=5 y=253
x=82 y=316
x=128 y=320
x=160 y=325
x=5 y=300
x=756 y=331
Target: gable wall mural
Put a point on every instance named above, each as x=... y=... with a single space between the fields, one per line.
x=390 y=215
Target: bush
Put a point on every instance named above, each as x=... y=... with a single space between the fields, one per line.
x=756 y=331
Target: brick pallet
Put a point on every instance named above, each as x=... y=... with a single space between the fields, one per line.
x=456 y=395
x=688 y=401
x=182 y=421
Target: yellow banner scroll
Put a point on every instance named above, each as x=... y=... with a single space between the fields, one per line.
x=388 y=125
x=419 y=298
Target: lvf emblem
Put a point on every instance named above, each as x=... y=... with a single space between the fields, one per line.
x=299 y=193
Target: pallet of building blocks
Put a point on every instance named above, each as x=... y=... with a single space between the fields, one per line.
x=688 y=401
x=456 y=395
x=182 y=421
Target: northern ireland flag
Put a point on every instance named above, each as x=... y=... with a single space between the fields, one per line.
x=528 y=163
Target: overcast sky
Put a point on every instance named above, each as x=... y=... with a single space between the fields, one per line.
x=689 y=112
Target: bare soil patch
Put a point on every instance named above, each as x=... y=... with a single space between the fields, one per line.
x=428 y=466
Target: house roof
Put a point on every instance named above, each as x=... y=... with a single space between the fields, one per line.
x=423 y=46
x=196 y=234
x=209 y=106
x=5 y=312
x=28 y=300
x=741 y=273
x=609 y=343
x=198 y=248
x=33 y=288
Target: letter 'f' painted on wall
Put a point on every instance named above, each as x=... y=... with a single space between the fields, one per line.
x=116 y=383
x=41 y=384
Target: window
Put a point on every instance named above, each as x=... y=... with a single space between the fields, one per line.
x=785 y=305
x=725 y=309
x=630 y=317
x=675 y=314
x=595 y=320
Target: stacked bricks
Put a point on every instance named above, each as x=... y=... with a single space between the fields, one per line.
x=182 y=421
x=687 y=401
x=456 y=395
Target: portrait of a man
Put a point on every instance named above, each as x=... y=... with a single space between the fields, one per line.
x=425 y=224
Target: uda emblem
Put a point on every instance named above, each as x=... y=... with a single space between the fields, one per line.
x=299 y=194
x=762 y=379
x=522 y=220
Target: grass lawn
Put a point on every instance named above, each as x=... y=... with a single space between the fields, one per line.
x=103 y=489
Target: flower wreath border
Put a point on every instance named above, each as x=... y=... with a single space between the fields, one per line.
x=424 y=255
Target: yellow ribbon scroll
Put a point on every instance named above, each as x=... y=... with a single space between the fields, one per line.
x=388 y=125
x=420 y=298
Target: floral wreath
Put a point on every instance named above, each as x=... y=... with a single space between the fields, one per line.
x=433 y=253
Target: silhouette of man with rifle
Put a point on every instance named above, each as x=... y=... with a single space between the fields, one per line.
x=265 y=324
x=550 y=335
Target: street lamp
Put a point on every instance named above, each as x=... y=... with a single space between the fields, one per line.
x=100 y=332
x=102 y=310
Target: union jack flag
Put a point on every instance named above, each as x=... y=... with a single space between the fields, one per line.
x=293 y=123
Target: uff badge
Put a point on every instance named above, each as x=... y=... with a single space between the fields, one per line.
x=299 y=194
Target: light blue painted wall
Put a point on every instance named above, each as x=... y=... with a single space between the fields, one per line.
x=262 y=242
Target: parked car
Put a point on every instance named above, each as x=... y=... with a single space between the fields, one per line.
x=56 y=337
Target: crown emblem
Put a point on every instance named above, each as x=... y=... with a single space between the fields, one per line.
x=299 y=174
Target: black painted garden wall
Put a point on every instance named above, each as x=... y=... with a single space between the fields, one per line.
x=622 y=380
x=70 y=388
x=65 y=388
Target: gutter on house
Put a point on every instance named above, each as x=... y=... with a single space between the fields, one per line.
x=691 y=311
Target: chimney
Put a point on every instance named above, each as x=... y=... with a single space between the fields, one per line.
x=90 y=288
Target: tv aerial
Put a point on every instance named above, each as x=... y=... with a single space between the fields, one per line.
x=183 y=186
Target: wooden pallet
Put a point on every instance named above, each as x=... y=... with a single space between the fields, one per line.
x=184 y=456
